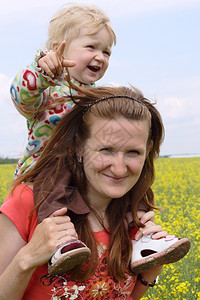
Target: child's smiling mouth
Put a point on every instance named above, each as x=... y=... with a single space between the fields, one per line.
x=94 y=68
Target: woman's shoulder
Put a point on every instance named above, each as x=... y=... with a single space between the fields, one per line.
x=23 y=191
x=20 y=200
x=27 y=188
x=19 y=208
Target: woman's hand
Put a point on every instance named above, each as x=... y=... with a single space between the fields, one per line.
x=150 y=227
x=47 y=237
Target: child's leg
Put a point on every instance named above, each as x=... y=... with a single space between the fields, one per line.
x=73 y=252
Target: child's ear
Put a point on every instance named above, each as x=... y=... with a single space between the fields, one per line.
x=55 y=46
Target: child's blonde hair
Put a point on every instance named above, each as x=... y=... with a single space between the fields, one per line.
x=67 y=22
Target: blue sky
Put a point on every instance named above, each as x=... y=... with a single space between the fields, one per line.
x=157 y=51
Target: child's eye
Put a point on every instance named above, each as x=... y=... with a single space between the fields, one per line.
x=107 y=53
x=90 y=46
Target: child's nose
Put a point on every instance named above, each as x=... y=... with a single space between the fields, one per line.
x=99 y=56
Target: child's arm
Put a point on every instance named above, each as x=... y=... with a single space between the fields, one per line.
x=33 y=87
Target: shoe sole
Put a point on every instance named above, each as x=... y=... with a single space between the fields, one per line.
x=170 y=255
x=69 y=260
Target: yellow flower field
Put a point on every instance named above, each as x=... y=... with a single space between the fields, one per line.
x=6 y=176
x=177 y=190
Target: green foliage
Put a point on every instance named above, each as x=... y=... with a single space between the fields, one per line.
x=6 y=160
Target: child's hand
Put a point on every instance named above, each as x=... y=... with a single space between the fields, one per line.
x=65 y=63
x=53 y=62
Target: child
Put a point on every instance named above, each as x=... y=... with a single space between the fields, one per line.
x=81 y=38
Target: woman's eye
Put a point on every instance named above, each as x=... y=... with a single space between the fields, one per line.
x=134 y=152
x=106 y=150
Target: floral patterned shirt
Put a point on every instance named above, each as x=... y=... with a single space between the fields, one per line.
x=31 y=90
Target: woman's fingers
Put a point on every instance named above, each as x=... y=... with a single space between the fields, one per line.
x=149 y=216
x=65 y=229
x=47 y=237
x=149 y=228
x=152 y=228
x=158 y=235
x=67 y=235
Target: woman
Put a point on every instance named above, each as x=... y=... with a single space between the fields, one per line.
x=108 y=142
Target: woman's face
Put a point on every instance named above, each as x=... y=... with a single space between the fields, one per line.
x=113 y=157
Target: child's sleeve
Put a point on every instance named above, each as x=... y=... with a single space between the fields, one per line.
x=30 y=89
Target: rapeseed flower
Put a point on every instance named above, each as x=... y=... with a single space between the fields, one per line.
x=177 y=190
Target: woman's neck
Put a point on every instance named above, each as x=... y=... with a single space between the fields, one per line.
x=98 y=202
x=94 y=222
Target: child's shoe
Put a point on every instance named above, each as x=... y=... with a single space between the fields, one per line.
x=68 y=256
x=148 y=253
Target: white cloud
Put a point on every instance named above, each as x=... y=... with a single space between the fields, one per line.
x=116 y=7
x=5 y=82
x=13 y=130
x=189 y=83
x=173 y=108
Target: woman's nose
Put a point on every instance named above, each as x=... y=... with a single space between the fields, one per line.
x=119 y=167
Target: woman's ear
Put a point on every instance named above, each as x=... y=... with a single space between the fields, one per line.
x=149 y=148
x=79 y=159
x=54 y=46
x=79 y=154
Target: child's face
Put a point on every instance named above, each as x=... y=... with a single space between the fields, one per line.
x=91 y=54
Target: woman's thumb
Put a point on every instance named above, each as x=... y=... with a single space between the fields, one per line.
x=60 y=212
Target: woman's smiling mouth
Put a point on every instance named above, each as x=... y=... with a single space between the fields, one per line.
x=115 y=179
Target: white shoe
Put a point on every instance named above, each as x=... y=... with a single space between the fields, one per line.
x=148 y=253
x=67 y=256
